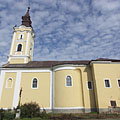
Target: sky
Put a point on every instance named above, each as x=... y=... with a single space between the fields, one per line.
x=65 y=29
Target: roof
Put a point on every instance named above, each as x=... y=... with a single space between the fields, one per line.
x=106 y=59
x=48 y=64
x=44 y=64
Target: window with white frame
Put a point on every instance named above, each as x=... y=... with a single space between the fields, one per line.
x=118 y=83
x=68 y=81
x=9 y=83
x=34 y=83
x=19 y=47
x=107 y=83
x=89 y=84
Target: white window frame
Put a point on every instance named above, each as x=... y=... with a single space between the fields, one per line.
x=32 y=83
x=7 y=83
x=17 y=47
x=66 y=81
x=20 y=36
x=117 y=82
x=109 y=82
x=91 y=85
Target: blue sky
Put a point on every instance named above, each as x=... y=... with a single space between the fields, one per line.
x=65 y=29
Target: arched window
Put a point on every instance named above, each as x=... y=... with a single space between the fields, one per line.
x=68 y=81
x=35 y=83
x=21 y=36
x=9 y=83
x=19 y=48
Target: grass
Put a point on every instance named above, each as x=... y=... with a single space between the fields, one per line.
x=53 y=116
x=32 y=119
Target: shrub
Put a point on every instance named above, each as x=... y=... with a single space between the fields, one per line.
x=1 y=114
x=44 y=115
x=29 y=110
x=9 y=115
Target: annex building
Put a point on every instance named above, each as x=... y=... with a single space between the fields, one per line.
x=58 y=86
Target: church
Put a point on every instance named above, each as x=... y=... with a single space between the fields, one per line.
x=57 y=86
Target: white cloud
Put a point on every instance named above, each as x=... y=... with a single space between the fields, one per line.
x=65 y=29
x=106 y=5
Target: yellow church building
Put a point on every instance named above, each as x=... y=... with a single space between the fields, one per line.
x=57 y=86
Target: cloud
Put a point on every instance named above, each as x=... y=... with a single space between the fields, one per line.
x=65 y=29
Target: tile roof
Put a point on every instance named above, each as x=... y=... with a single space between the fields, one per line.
x=48 y=64
x=44 y=64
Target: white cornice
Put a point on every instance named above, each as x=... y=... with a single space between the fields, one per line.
x=103 y=62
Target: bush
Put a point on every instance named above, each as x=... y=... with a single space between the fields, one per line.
x=9 y=115
x=1 y=114
x=29 y=110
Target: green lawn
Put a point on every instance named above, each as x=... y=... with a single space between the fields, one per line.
x=88 y=116
x=32 y=119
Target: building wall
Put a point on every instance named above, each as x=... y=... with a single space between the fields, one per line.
x=105 y=95
x=19 y=60
x=67 y=96
x=41 y=95
x=6 y=100
x=78 y=96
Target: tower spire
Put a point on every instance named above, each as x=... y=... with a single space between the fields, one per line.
x=26 y=21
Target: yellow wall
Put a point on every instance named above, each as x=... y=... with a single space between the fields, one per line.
x=7 y=93
x=73 y=96
x=67 y=96
x=16 y=61
x=105 y=95
x=40 y=95
x=88 y=95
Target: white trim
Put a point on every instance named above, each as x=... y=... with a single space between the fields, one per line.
x=2 y=82
x=91 y=85
x=51 y=96
x=69 y=108
x=103 y=62
x=20 y=41
x=64 y=68
x=35 y=70
x=27 y=43
x=16 y=90
x=117 y=82
x=32 y=83
x=66 y=81
x=17 y=56
x=16 y=53
x=109 y=82
x=25 y=60
x=46 y=108
x=6 y=86
x=22 y=26
x=11 y=51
